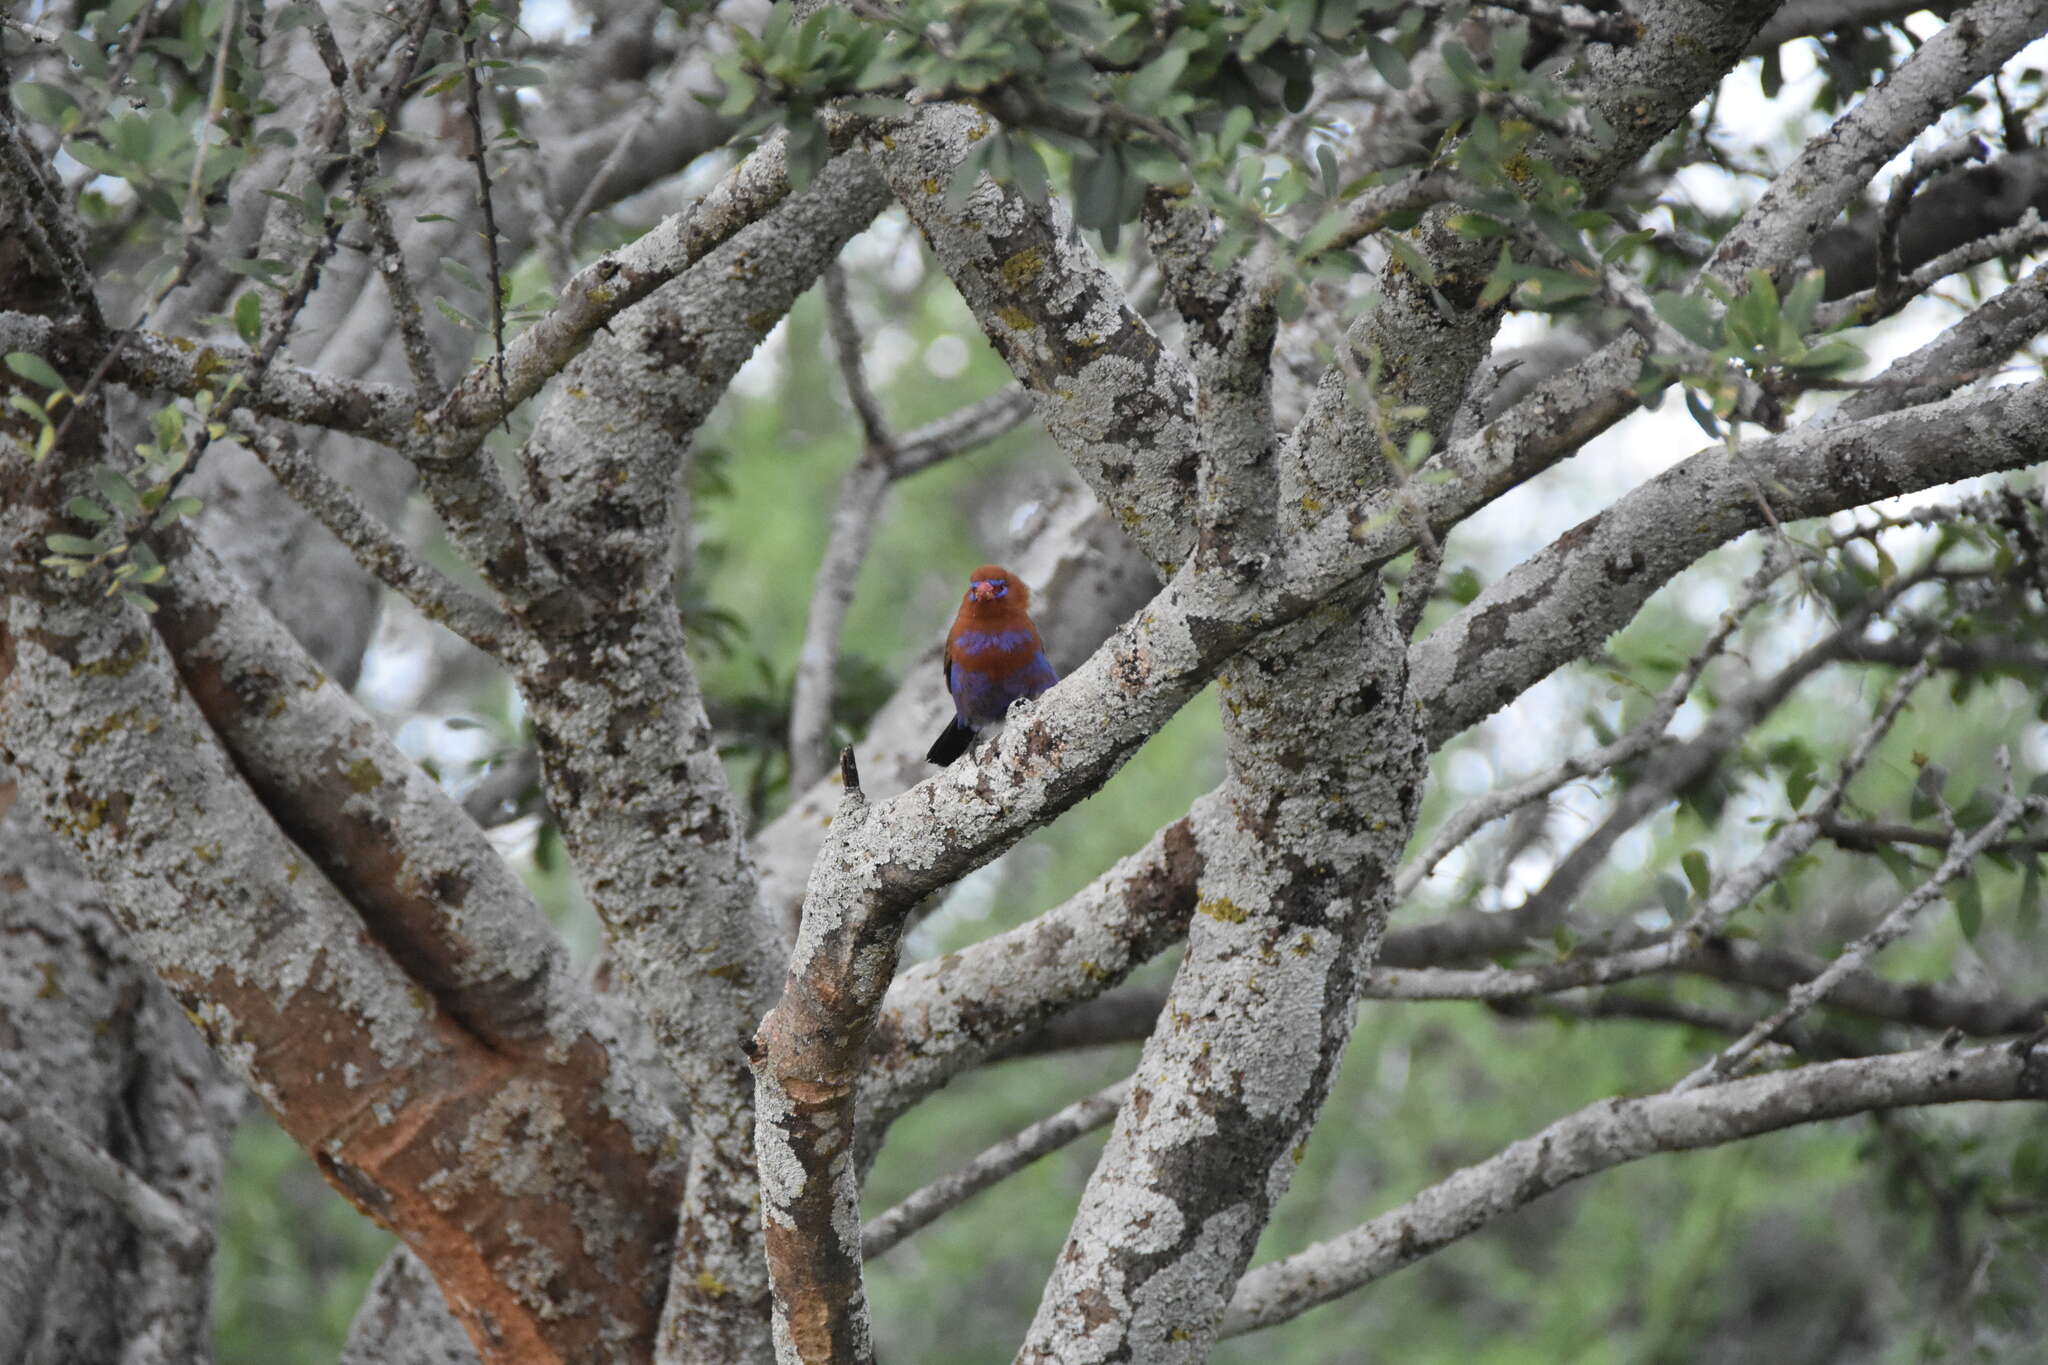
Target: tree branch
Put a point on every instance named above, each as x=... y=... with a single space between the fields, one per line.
x=374 y=547
x=1611 y=1132
x=141 y=1203
x=918 y=1209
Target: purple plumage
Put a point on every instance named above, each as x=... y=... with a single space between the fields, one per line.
x=993 y=658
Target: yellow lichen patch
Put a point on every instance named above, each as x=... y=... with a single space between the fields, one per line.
x=207 y=853
x=49 y=990
x=292 y=868
x=710 y=1285
x=764 y=321
x=1311 y=505
x=121 y=720
x=1016 y=319
x=731 y=971
x=1221 y=908
x=931 y=184
x=362 y=776
x=1093 y=971
x=1021 y=269
x=114 y=665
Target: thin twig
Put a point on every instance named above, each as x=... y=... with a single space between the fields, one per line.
x=962 y=430
x=1729 y=895
x=380 y=552
x=1962 y=853
x=1892 y=290
x=846 y=344
x=365 y=144
x=471 y=89
x=2026 y=235
x=1639 y=740
x=882 y=1232
x=192 y=224
x=853 y=526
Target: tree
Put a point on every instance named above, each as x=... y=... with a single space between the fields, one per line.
x=1249 y=267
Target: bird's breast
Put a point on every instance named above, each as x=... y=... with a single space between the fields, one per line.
x=981 y=649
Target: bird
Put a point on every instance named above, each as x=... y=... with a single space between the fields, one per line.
x=993 y=658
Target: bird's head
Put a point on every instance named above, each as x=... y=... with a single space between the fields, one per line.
x=991 y=586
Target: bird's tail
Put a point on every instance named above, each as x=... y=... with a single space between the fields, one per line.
x=951 y=743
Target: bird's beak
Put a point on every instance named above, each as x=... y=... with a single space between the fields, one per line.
x=981 y=590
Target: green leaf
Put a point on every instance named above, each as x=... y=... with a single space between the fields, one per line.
x=1690 y=317
x=97 y=157
x=249 y=318
x=1552 y=288
x=1412 y=260
x=1899 y=865
x=456 y=315
x=1457 y=59
x=179 y=507
x=138 y=599
x=1388 y=61
x=1027 y=170
x=36 y=370
x=1968 y=900
x=1624 y=244
x=73 y=545
x=45 y=103
x=167 y=425
x=1148 y=87
x=1671 y=892
x=1803 y=299
x=1927 y=788
x=1697 y=872
x=85 y=509
x=118 y=492
x=1829 y=358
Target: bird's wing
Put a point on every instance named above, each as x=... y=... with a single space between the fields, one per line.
x=1039 y=674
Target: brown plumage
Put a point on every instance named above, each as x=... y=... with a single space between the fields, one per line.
x=993 y=658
